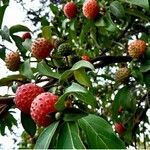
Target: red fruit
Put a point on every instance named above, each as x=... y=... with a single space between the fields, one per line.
x=90 y=9
x=12 y=61
x=119 y=128
x=25 y=94
x=70 y=10
x=41 y=108
x=41 y=48
x=26 y=35
x=85 y=57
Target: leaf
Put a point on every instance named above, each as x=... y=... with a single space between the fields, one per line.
x=145 y=66
x=18 y=28
x=117 y=9
x=5 y=34
x=141 y=3
x=78 y=91
x=44 y=69
x=69 y=137
x=122 y=98
x=73 y=114
x=54 y=9
x=2 y=53
x=9 y=79
x=2 y=12
x=147 y=81
x=28 y=124
x=47 y=32
x=46 y=136
x=137 y=74
x=26 y=69
x=99 y=133
x=82 y=77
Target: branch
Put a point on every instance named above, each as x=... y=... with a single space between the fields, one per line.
x=106 y=60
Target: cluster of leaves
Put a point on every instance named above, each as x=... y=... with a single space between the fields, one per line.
x=93 y=92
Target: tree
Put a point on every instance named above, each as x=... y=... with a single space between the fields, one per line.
x=94 y=58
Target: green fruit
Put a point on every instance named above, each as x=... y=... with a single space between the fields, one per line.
x=65 y=49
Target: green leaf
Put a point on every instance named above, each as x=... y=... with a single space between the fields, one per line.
x=137 y=74
x=26 y=69
x=2 y=12
x=5 y=34
x=44 y=69
x=122 y=98
x=82 y=77
x=46 y=136
x=117 y=9
x=73 y=114
x=69 y=137
x=54 y=9
x=147 y=81
x=141 y=3
x=99 y=133
x=145 y=66
x=27 y=44
x=2 y=53
x=28 y=124
x=47 y=32
x=78 y=91
x=9 y=79
x=18 y=28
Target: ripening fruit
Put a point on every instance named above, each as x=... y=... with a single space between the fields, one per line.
x=119 y=128
x=70 y=10
x=25 y=94
x=86 y=58
x=42 y=107
x=41 y=48
x=90 y=9
x=12 y=61
x=65 y=49
x=26 y=35
x=122 y=74
x=137 y=48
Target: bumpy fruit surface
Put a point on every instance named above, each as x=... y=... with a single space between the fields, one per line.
x=122 y=74
x=12 y=61
x=137 y=48
x=26 y=35
x=41 y=108
x=70 y=10
x=25 y=94
x=86 y=58
x=65 y=49
x=90 y=9
x=119 y=128
x=41 y=48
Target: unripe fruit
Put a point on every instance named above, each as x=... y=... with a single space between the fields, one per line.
x=25 y=94
x=65 y=49
x=122 y=74
x=86 y=58
x=12 y=61
x=70 y=10
x=90 y=9
x=41 y=48
x=137 y=48
x=119 y=128
x=26 y=35
x=41 y=108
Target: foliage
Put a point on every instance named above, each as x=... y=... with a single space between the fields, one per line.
x=97 y=101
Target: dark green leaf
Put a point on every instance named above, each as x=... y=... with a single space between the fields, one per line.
x=69 y=137
x=18 y=28
x=54 y=9
x=5 y=34
x=137 y=74
x=99 y=133
x=47 y=32
x=147 y=81
x=82 y=77
x=2 y=53
x=44 y=69
x=46 y=136
x=117 y=9
x=2 y=11
x=26 y=69
x=28 y=124
x=73 y=114
x=145 y=66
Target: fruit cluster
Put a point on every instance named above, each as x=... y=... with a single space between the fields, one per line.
x=31 y=99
